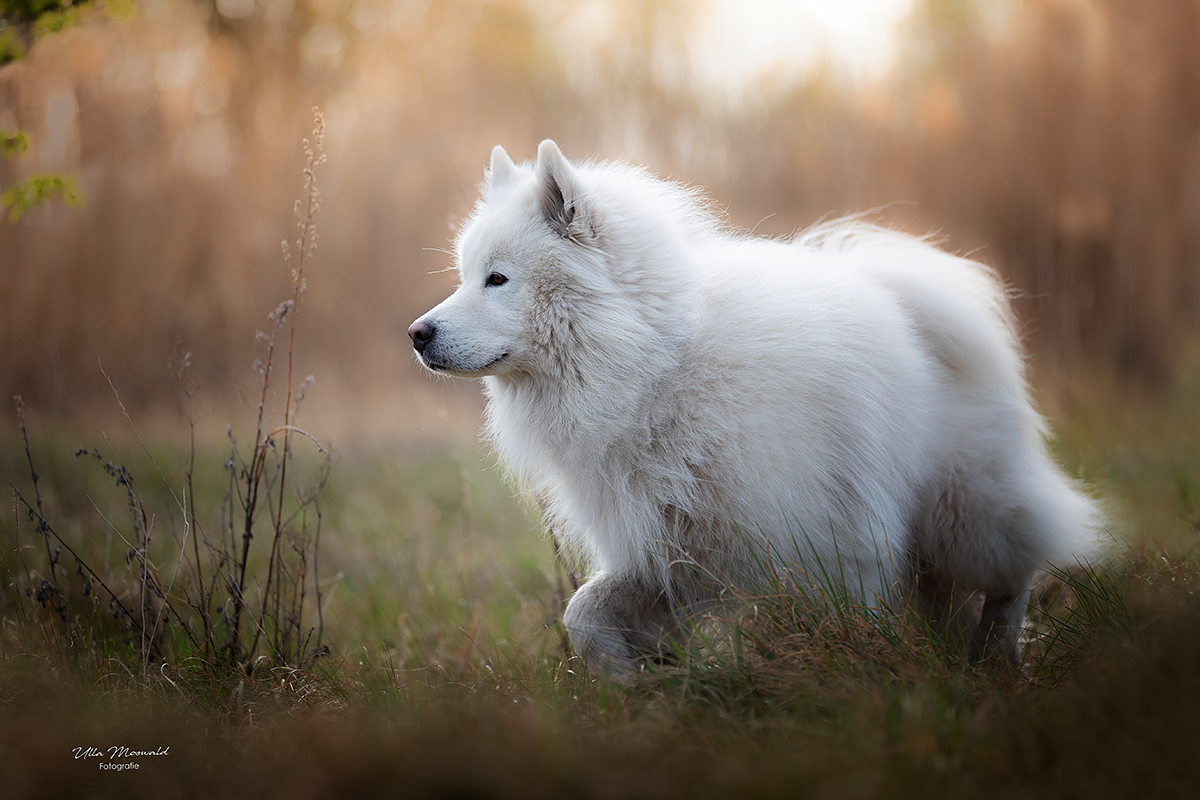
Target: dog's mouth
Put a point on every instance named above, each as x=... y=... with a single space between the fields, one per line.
x=437 y=366
x=494 y=361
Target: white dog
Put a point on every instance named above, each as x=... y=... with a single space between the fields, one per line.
x=688 y=403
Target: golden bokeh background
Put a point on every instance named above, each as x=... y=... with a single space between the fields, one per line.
x=1058 y=140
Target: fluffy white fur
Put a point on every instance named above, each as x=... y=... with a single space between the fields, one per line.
x=684 y=400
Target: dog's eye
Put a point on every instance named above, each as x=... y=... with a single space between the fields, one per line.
x=495 y=279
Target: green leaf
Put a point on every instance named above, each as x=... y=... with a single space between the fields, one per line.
x=20 y=197
x=122 y=10
x=11 y=48
x=55 y=21
x=30 y=10
x=12 y=143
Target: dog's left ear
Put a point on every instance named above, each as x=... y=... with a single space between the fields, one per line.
x=501 y=171
x=559 y=191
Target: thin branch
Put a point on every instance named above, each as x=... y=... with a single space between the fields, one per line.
x=43 y=528
x=314 y=157
x=113 y=595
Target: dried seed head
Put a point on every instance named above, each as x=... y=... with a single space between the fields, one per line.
x=280 y=313
x=318 y=128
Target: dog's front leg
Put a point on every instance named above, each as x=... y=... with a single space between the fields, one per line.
x=616 y=621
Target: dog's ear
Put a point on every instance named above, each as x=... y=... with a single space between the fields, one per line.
x=559 y=192
x=501 y=171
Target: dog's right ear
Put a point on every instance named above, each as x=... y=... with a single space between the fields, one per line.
x=560 y=194
x=502 y=170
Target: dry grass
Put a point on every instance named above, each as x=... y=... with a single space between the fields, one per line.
x=447 y=672
x=846 y=711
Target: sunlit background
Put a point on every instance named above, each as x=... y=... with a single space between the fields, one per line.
x=1058 y=140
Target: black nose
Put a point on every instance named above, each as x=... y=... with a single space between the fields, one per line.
x=421 y=333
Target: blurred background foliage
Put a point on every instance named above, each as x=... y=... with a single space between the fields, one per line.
x=1058 y=140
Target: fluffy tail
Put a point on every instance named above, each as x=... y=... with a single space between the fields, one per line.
x=1077 y=529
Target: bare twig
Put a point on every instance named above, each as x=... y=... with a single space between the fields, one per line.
x=253 y=478
x=189 y=511
x=314 y=157
x=43 y=528
x=317 y=577
x=151 y=580
x=114 y=598
x=256 y=607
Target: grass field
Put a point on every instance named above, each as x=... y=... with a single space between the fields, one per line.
x=446 y=671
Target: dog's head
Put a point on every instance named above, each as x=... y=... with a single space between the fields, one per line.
x=522 y=255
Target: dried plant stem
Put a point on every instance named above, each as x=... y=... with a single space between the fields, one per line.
x=201 y=605
x=253 y=477
x=114 y=599
x=43 y=527
x=190 y=513
x=315 y=157
x=275 y=607
x=317 y=576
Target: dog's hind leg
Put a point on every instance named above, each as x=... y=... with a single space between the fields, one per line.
x=616 y=621
x=951 y=612
x=1000 y=625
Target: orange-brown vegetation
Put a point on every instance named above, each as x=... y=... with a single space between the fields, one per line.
x=1059 y=139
